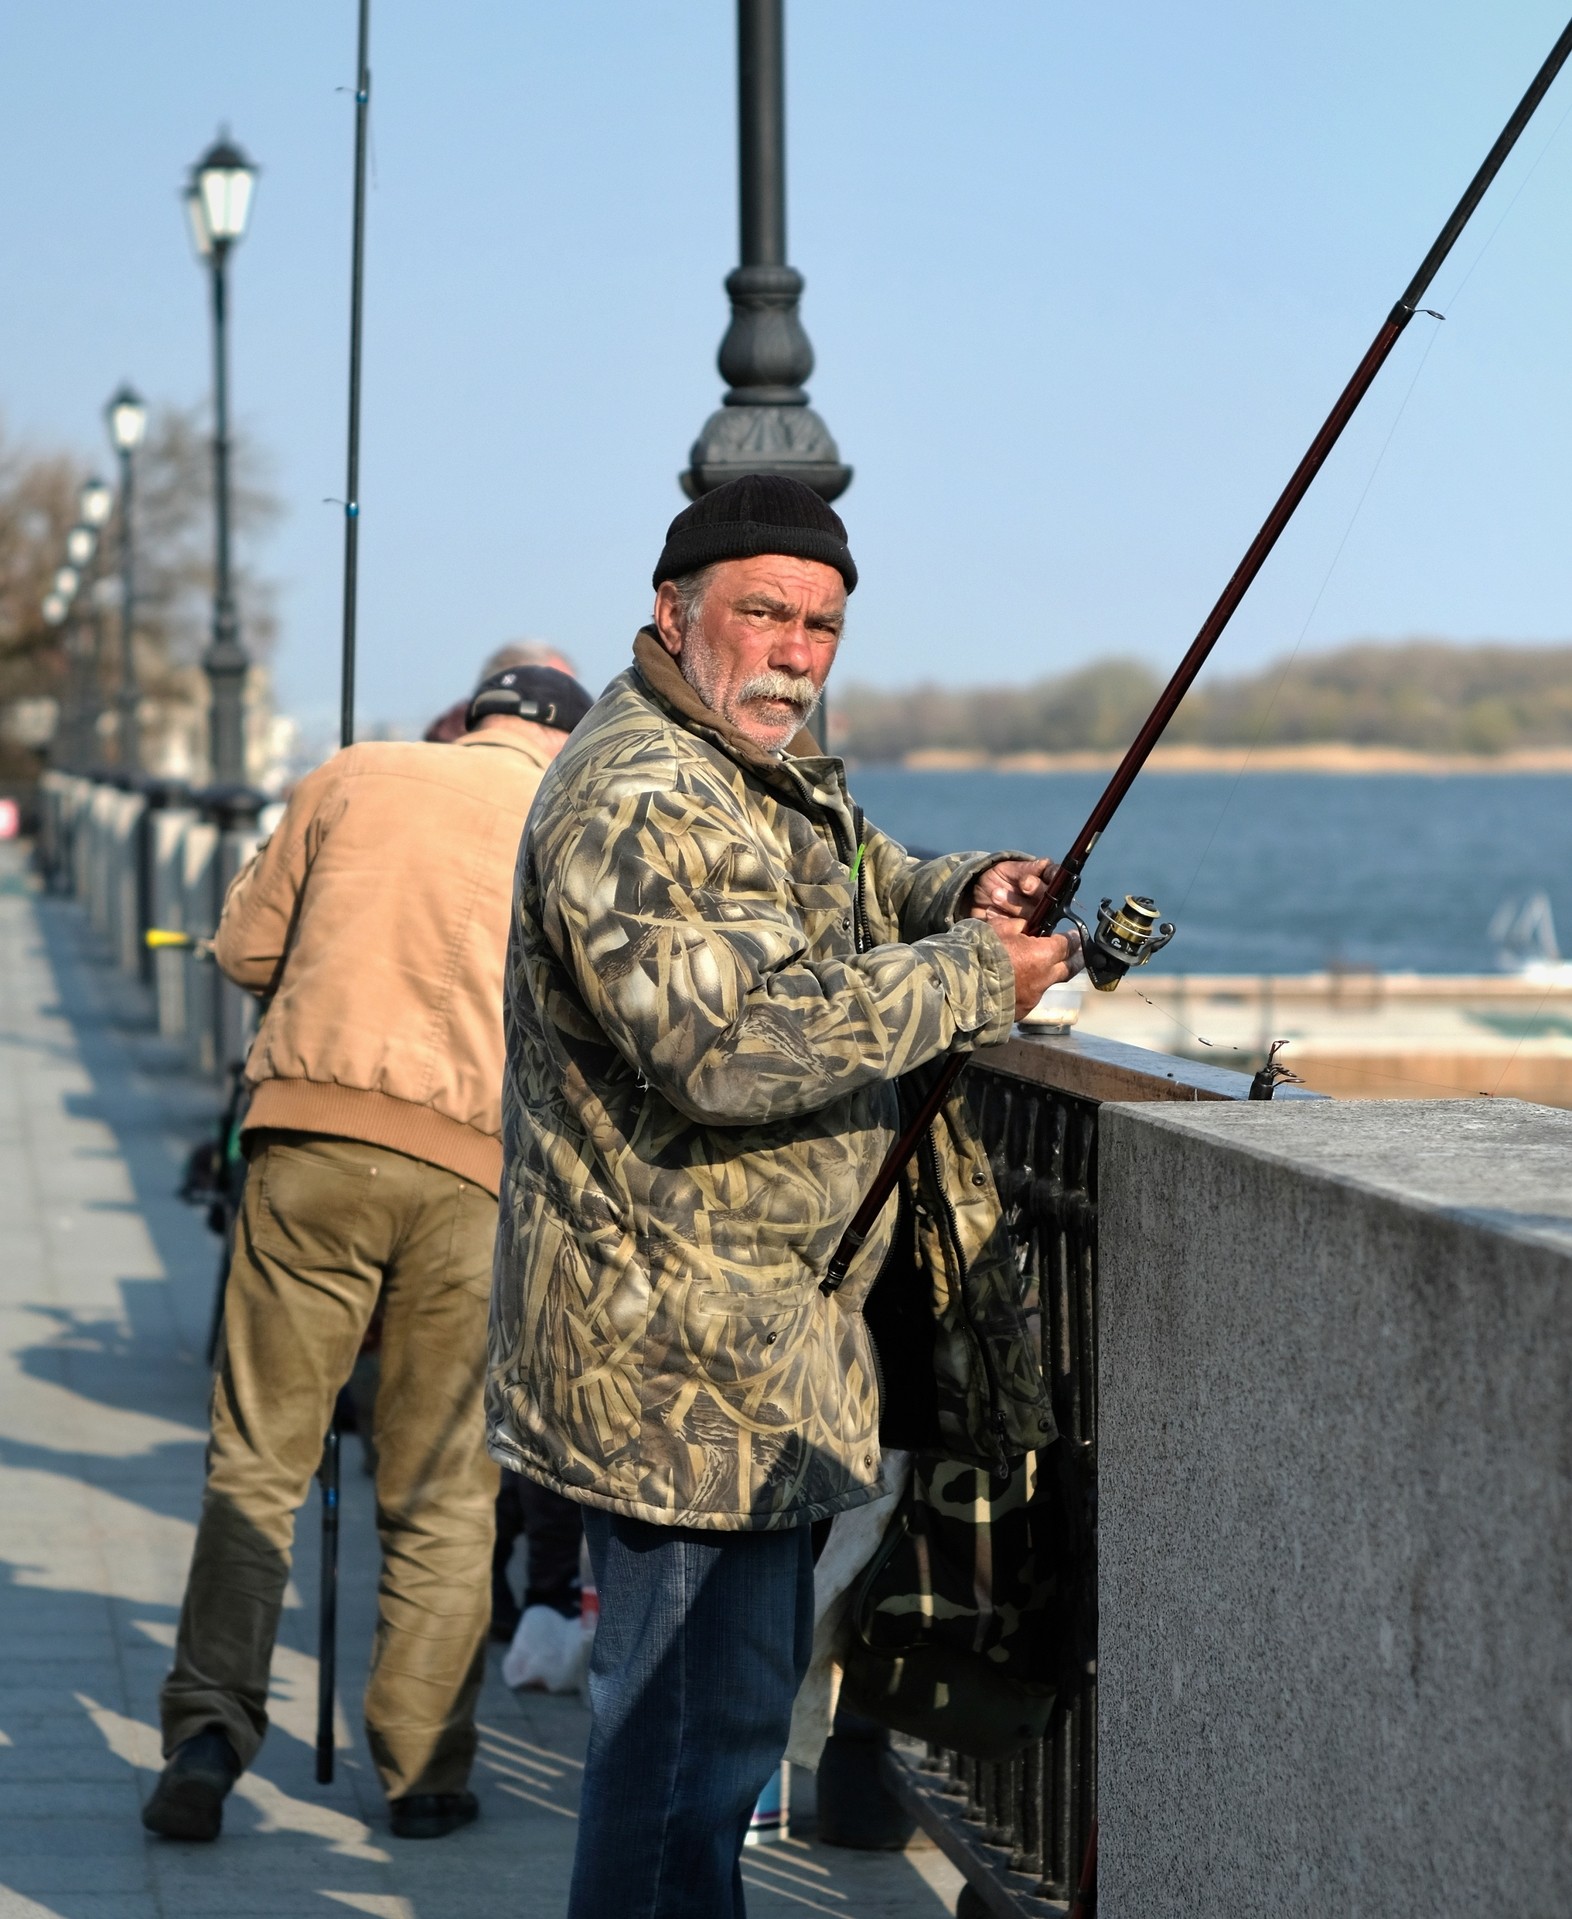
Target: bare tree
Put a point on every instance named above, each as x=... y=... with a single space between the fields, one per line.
x=37 y=507
x=174 y=536
x=174 y=582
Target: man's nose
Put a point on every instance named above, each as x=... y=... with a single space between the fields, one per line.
x=792 y=651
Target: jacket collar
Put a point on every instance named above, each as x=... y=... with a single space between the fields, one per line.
x=502 y=736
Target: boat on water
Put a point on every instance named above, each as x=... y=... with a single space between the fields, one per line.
x=1523 y=933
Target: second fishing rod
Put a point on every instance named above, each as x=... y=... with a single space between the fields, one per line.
x=1127 y=934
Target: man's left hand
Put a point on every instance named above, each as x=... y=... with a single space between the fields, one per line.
x=1005 y=893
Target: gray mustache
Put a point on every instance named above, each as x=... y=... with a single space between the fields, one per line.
x=796 y=688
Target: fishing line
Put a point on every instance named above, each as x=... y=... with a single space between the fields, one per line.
x=1282 y=677
x=1457 y=291
x=1447 y=1087
x=1167 y=1013
x=1129 y=939
x=1550 y=988
x=1533 y=1019
x=371 y=135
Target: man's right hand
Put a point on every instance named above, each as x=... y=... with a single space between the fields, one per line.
x=1040 y=962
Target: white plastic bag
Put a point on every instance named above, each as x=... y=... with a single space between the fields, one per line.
x=854 y=1538
x=548 y=1652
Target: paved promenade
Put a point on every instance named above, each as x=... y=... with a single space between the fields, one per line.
x=106 y=1285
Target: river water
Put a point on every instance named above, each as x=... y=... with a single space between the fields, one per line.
x=1277 y=872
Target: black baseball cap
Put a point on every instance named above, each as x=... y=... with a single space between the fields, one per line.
x=538 y=693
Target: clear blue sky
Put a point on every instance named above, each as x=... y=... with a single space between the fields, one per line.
x=1081 y=281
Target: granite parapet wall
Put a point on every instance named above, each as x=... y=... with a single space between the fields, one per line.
x=1336 y=1509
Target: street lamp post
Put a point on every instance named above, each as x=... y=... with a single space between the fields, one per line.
x=127 y=417
x=74 y=583
x=95 y=502
x=765 y=424
x=218 y=200
x=55 y=611
x=60 y=610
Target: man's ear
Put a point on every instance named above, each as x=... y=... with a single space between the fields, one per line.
x=668 y=618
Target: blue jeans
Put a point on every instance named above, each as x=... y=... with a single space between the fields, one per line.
x=703 y=1640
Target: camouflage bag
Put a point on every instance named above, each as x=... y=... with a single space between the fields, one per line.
x=971 y=1618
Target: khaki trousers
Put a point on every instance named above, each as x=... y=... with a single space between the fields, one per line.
x=328 y=1226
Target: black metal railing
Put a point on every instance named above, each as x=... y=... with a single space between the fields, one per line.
x=1019 y=1829
x=113 y=873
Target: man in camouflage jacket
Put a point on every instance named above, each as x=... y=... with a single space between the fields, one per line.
x=718 y=973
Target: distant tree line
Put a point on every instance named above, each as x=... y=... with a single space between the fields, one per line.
x=1428 y=695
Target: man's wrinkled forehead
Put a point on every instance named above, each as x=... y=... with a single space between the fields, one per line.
x=782 y=585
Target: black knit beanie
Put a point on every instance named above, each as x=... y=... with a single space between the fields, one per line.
x=760 y=513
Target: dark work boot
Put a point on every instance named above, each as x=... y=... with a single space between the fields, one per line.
x=856 y=1807
x=431 y=1815
x=188 y=1801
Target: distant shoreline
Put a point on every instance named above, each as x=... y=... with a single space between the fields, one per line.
x=1322 y=757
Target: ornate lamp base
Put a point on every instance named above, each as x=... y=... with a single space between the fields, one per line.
x=746 y=437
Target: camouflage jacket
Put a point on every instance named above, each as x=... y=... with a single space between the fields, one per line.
x=707 y=1012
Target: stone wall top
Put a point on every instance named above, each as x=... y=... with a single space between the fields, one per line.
x=1500 y=1164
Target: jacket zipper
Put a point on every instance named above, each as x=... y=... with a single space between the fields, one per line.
x=860 y=940
x=952 y=1231
x=854 y=858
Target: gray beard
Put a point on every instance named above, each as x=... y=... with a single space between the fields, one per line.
x=798 y=689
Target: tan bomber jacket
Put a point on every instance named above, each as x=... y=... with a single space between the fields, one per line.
x=374 y=925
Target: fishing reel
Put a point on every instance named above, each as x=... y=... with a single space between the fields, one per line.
x=1126 y=935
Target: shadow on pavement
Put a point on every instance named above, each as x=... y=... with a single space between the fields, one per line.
x=103 y=1394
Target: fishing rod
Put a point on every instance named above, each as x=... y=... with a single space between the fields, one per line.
x=327 y=1599
x=346 y=724
x=328 y=1470
x=1130 y=933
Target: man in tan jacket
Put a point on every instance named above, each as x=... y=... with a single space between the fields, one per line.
x=373 y=924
